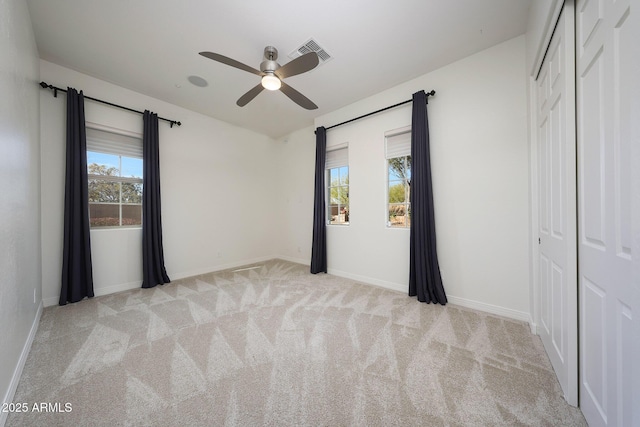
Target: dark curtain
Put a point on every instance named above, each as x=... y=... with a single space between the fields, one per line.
x=77 y=275
x=153 y=270
x=319 y=244
x=424 y=271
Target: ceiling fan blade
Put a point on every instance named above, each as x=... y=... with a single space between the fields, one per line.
x=232 y=62
x=244 y=99
x=297 y=97
x=300 y=65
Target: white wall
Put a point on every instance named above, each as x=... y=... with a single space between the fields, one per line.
x=218 y=194
x=20 y=289
x=296 y=156
x=479 y=147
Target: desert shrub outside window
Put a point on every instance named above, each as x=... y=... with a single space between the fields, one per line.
x=114 y=167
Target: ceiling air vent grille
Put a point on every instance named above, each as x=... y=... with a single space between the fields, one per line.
x=311 y=46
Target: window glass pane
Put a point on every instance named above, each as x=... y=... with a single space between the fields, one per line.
x=338 y=195
x=339 y=214
x=397 y=215
x=399 y=169
x=131 y=214
x=397 y=192
x=393 y=174
x=114 y=203
x=104 y=215
x=131 y=167
x=334 y=196
x=104 y=191
x=344 y=195
x=344 y=175
x=131 y=192
x=334 y=176
x=103 y=164
x=334 y=210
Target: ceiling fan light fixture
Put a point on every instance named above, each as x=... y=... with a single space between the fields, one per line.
x=271 y=82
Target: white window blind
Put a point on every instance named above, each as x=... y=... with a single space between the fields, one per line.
x=398 y=144
x=113 y=143
x=337 y=158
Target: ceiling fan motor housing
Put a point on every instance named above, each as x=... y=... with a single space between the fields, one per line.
x=269 y=64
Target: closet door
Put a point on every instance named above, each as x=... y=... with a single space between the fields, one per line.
x=557 y=258
x=604 y=76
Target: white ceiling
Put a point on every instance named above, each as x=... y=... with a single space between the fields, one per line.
x=151 y=46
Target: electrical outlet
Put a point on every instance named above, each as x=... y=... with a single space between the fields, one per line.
x=34 y=295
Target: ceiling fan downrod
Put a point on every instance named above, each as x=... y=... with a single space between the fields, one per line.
x=270 y=56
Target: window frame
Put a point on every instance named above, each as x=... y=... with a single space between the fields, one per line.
x=121 y=144
x=337 y=162
x=397 y=145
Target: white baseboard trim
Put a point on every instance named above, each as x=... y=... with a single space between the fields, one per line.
x=370 y=280
x=17 y=372
x=293 y=259
x=99 y=291
x=112 y=289
x=490 y=308
x=463 y=302
x=220 y=267
x=106 y=290
x=48 y=302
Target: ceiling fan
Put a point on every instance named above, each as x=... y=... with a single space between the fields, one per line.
x=272 y=74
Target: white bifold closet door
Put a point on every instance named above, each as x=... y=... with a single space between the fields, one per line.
x=604 y=76
x=557 y=257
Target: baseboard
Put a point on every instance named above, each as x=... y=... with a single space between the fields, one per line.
x=99 y=291
x=370 y=280
x=48 y=302
x=463 y=302
x=490 y=308
x=293 y=259
x=220 y=267
x=107 y=290
x=17 y=372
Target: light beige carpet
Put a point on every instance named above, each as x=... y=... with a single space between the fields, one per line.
x=278 y=346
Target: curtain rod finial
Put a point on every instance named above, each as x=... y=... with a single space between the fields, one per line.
x=43 y=85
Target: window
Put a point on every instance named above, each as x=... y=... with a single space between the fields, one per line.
x=337 y=178
x=398 y=153
x=114 y=166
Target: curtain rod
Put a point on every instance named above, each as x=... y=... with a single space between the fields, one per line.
x=431 y=93
x=57 y=89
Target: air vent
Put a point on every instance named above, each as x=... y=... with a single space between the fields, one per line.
x=311 y=46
